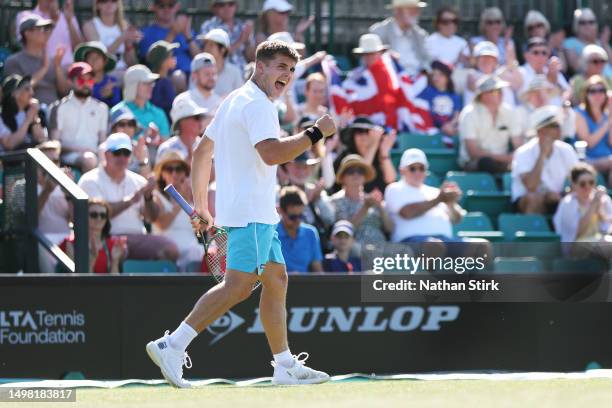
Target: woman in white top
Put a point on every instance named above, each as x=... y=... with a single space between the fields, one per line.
x=444 y=44
x=172 y=222
x=585 y=215
x=111 y=28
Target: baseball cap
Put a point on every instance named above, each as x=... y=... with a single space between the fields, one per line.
x=185 y=108
x=135 y=74
x=343 y=226
x=121 y=114
x=412 y=156
x=545 y=116
x=286 y=37
x=202 y=60
x=117 y=141
x=78 y=69
x=32 y=20
x=217 y=35
x=158 y=52
x=486 y=48
x=282 y=6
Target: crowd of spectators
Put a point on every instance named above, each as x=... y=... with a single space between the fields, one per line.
x=121 y=108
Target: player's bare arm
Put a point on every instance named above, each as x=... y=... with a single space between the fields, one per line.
x=201 y=165
x=279 y=151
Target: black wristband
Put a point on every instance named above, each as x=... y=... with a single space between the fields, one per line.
x=314 y=134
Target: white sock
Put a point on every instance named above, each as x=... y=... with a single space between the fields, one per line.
x=182 y=336
x=285 y=359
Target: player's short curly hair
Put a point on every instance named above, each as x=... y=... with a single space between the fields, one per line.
x=268 y=50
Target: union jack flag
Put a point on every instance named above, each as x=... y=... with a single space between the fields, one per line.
x=383 y=91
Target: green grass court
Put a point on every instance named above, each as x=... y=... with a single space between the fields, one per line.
x=562 y=393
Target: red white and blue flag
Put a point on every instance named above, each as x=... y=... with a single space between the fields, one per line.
x=384 y=92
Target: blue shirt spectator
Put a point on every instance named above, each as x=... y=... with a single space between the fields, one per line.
x=147 y=114
x=332 y=263
x=342 y=239
x=154 y=33
x=114 y=98
x=443 y=105
x=303 y=249
x=300 y=242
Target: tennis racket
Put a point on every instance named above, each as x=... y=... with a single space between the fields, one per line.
x=215 y=247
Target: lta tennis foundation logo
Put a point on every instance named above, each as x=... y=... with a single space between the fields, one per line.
x=23 y=327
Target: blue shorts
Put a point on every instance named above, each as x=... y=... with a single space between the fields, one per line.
x=250 y=248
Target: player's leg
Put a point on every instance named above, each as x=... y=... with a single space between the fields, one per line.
x=288 y=369
x=168 y=352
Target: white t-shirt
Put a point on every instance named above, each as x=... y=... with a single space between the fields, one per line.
x=446 y=49
x=436 y=221
x=529 y=74
x=97 y=184
x=80 y=123
x=246 y=186
x=229 y=79
x=556 y=167
x=211 y=102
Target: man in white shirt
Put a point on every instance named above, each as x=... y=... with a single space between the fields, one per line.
x=245 y=138
x=541 y=166
x=421 y=213
x=188 y=124
x=130 y=198
x=203 y=81
x=79 y=121
x=403 y=34
x=486 y=128
x=537 y=62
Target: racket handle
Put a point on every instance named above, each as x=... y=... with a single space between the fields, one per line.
x=181 y=201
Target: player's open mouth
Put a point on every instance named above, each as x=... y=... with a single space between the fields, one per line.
x=280 y=85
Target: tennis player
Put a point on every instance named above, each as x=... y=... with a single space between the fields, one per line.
x=245 y=138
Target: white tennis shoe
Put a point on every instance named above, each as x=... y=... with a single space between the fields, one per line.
x=298 y=374
x=169 y=360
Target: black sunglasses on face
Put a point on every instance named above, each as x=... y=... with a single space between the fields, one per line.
x=537 y=25
x=587 y=22
x=414 y=169
x=586 y=183
x=594 y=91
x=354 y=170
x=173 y=169
x=597 y=62
x=295 y=217
x=94 y=215
x=126 y=123
x=122 y=152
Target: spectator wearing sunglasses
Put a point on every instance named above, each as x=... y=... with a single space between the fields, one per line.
x=300 y=242
x=493 y=28
x=585 y=215
x=172 y=222
x=537 y=25
x=106 y=88
x=587 y=32
x=594 y=125
x=366 y=211
x=106 y=252
x=541 y=166
x=65 y=33
x=444 y=44
x=539 y=62
x=422 y=213
x=123 y=121
x=79 y=121
x=130 y=197
x=37 y=61
x=242 y=47
x=593 y=62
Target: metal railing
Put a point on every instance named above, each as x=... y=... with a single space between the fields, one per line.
x=20 y=215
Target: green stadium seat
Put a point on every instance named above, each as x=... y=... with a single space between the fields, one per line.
x=480 y=193
x=194 y=267
x=526 y=228
x=507 y=182
x=139 y=266
x=432 y=179
x=419 y=141
x=517 y=265
x=477 y=225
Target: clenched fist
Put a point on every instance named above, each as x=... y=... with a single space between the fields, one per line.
x=326 y=125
